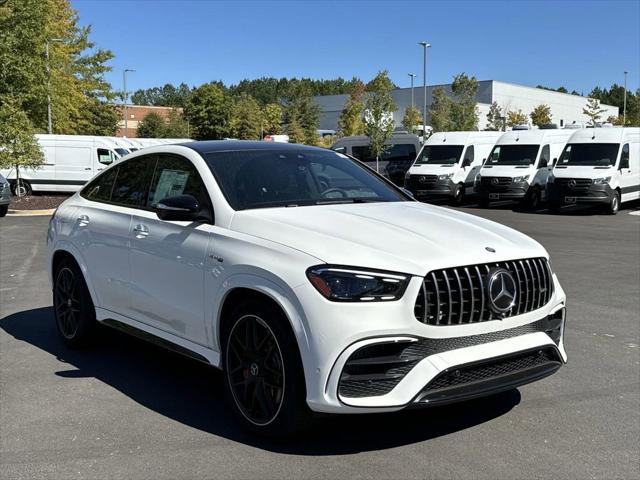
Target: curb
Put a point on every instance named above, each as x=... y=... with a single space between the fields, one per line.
x=30 y=213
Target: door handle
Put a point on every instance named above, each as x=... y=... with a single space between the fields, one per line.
x=88 y=168
x=141 y=231
x=83 y=220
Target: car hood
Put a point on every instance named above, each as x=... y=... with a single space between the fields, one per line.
x=582 y=172
x=430 y=169
x=409 y=237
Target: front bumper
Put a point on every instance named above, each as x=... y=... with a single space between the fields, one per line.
x=564 y=195
x=430 y=189
x=425 y=364
x=513 y=190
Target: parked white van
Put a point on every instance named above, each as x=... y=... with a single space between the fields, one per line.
x=597 y=166
x=519 y=166
x=448 y=164
x=69 y=162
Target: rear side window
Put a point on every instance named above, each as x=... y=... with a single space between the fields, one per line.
x=173 y=176
x=132 y=182
x=99 y=190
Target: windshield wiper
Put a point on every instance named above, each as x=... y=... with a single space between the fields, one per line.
x=348 y=200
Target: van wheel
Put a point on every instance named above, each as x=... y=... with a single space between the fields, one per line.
x=23 y=190
x=73 y=308
x=3 y=210
x=614 y=203
x=264 y=379
x=458 y=195
x=533 y=199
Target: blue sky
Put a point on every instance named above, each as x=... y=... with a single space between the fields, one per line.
x=575 y=44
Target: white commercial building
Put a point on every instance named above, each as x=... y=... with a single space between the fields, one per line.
x=565 y=108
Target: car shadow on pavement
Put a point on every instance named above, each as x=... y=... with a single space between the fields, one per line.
x=192 y=393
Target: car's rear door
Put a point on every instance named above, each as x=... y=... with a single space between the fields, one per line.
x=167 y=258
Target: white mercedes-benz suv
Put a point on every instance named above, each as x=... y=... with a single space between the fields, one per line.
x=315 y=284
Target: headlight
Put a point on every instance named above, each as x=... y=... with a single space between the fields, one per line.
x=601 y=181
x=446 y=176
x=351 y=284
x=520 y=179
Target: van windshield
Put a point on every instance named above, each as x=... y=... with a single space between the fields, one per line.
x=519 y=155
x=439 y=155
x=589 y=154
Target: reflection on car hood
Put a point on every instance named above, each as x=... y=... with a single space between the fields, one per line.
x=582 y=172
x=409 y=237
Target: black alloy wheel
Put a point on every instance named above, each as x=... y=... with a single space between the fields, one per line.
x=255 y=370
x=458 y=196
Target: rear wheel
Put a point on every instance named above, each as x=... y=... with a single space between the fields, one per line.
x=3 y=210
x=264 y=378
x=73 y=308
x=614 y=203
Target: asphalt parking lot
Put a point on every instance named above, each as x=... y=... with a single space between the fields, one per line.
x=126 y=409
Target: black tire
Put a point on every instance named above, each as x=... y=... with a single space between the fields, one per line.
x=26 y=187
x=533 y=199
x=554 y=206
x=614 y=203
x=264 y=378
x=459 y=195
x=3 y=210
x=484 y=202
x=73 y=308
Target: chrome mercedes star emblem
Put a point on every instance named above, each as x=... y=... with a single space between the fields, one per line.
x=494 y=181
x=571 y=183
x=423 y=179
x=254 y=369
x=501 y=290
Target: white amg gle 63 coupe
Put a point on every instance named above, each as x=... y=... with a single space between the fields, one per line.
x=314 y=283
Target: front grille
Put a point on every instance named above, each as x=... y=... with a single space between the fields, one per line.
x=455 y=296
x=493 y=369
x=421 y=182
x=489 y=181
x=580 y=183
x=376 y=369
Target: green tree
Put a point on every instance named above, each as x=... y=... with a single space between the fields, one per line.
x=272 y=119
x=411 y=119
x=208 y=111
x=516 y=118
x=464 y=111
x=176 y=126
x=440 y=111
x=246 y=118
x=295 y=131
x=18 y=146
x=593 y=110
x=165 y=96
x=495 y=121
x=541 y=115
x=302 y=116
x=350 y=121
x=151 y=126
x=378 y=114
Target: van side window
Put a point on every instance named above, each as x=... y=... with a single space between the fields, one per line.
x=99 y=190
x=469 y=154
x=176 y=175
x=105 y=156
x=132 y=182
x=544 y=157
x=624 y=156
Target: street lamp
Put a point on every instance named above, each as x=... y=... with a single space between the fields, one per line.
x=124 y=87
x=46 y=53
x=425 y=45
x=624 y=108
x=412 y=75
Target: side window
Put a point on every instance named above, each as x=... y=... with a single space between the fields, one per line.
x=624 y=156
x=105 y=156
x=362 y=153
x=176 y=176
x=132 y=182
x=99 y=190
x=544 y=157
x=469 y=155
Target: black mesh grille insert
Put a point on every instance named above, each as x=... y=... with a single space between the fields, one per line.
x=573 y=183
x=455 y=296
x=421 y=182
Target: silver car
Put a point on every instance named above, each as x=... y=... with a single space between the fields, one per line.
x=5 y=196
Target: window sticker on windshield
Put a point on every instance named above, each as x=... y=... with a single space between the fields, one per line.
x=171 y=183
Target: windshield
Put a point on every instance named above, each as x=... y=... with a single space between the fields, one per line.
x=522 y=155
x=589 y=154
x=122 y=151
x=439 y=155
x=285 y=178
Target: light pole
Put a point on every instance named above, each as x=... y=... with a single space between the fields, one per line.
x=412 y=75
x=46 y=54
x=124 y=87
x=624 y=108
x=425 y=45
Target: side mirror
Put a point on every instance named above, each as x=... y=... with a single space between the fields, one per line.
x=180 y=208
x=554 y=161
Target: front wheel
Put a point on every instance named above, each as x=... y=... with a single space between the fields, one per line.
x=614 y=203
x=21 y=188
x=458 y=195
x=264 y=378
x=533 y=199
x=3 y=210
